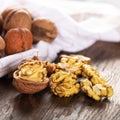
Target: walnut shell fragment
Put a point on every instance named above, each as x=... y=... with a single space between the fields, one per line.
x=31 y=77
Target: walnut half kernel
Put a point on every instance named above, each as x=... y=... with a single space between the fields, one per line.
x=64 y=84
x=97 y=91
x=31 y=76
x=72 y=63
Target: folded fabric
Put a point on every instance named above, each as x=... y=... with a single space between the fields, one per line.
x=79 y=24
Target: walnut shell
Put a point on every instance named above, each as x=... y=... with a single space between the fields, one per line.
x=18 y=40
x=11 y=8
x=2 y=44
x=16 y=18
x=1 y=24
x=43 y=29
x=28 y=87
x=31 y=76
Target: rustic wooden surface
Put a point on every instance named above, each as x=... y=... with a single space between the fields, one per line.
x=46 y=106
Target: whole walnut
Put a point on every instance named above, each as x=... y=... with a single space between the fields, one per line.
x=18 y=40
x=1 y=24
x=16 y=17
x=43 y=29
x=11 y=8
x=2 y=46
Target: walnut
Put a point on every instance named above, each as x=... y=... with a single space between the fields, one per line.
x=51 y=67
x=13 y=8
x=16 y=16
x=84 y=59
x=92 y=74
x=2 y=46
x=64 y=84
x=1 y=24
x=31 y=76
x=95 y=85
x=18 y=40
x=72 y=63
x=43 y=29
x=97 y=91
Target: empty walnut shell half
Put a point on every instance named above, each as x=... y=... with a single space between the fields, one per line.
x=14 y=18
x=43 y=29
x=18 y=40
x=31 y=77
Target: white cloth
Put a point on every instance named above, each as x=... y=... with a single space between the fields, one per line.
x=95 y=21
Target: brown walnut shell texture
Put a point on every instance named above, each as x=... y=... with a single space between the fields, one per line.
x=28 y=87
x=2 y=46
x=18 y=40
x=1 y=24
x=15 y=8
x=2 y=43
x=43 y=29
x=14 y=18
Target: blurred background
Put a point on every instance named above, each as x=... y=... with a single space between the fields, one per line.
x=113 y=2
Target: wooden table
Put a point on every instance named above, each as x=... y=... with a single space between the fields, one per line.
x=46 y=106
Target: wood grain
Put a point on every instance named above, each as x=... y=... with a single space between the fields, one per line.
x=46 y=106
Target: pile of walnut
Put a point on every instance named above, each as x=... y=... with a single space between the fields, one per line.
x=19 y=30
x=34 y=75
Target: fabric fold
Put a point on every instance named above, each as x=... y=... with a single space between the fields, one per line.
x=74 y=34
